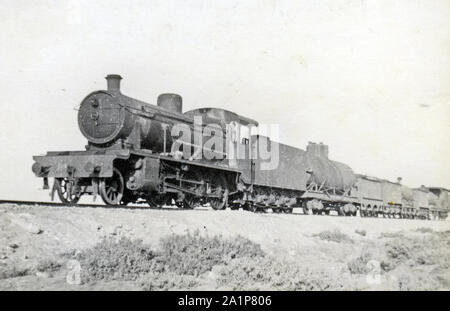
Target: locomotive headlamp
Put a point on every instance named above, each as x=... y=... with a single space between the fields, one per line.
x=40 y=170
x=36 y=168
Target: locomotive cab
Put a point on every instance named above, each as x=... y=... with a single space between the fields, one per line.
x=236 y=126
x=236 y=130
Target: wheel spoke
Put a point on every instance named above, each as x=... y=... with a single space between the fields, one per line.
x=63 y=187
x=112 y=188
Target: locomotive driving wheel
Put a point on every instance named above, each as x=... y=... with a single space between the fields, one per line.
x=112 y=188
x=189 y=202
x=67 y=191
x=156 y=200
x=196 y=189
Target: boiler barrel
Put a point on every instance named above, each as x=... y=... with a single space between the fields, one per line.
x=105 y=117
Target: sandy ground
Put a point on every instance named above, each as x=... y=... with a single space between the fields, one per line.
x=29 y=235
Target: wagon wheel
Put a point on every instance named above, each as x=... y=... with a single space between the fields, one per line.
x=287 y=210
x=307 y=208
x=112 y=188
x=252 y=207
x=66 y=192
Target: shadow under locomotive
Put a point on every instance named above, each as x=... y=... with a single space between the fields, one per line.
x=131 y=157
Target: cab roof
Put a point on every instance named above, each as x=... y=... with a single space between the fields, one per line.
x=221 y=114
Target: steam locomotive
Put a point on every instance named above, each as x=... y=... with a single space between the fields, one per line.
x=156 y=154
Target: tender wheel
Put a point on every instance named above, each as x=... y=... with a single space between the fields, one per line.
x=221 y=191
x=112 y=188
x=66 y=191
x=219 y=203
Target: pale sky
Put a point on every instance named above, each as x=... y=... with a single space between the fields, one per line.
x=369 y=78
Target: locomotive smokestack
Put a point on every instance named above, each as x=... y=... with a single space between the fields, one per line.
x=113 y=82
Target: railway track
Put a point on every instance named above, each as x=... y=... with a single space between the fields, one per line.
x=62 y=205
x=145 y=206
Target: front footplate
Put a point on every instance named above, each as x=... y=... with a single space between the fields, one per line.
x=76 y=164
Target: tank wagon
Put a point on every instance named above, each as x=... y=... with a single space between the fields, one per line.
x=139 y=152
